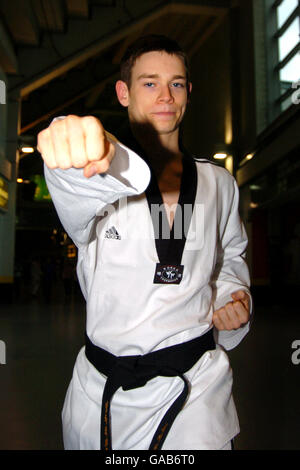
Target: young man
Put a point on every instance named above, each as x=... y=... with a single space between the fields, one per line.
x=166 y=291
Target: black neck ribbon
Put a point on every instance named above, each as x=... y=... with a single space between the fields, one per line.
x=170 y=248
x=169 y=243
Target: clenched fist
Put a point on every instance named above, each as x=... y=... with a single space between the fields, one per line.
x=78 y=142
x=234 y=314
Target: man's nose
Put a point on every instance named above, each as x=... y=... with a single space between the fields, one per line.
x=165 y=95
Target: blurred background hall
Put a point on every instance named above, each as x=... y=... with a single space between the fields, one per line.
x=61 y=57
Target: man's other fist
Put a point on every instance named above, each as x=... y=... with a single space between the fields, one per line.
x=234 y=314
x=78 y=142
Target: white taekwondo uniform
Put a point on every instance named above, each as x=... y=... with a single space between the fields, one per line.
x=108 y=218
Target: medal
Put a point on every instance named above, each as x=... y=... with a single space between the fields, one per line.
x=168 y=274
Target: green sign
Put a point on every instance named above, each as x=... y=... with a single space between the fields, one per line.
x=41 y=191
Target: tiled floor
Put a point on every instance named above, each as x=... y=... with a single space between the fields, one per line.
x=42 y=341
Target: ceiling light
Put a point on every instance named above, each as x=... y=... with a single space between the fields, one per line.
x=27 y=149
x=220 y=155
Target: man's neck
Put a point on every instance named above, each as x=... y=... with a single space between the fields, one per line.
x=162 y=150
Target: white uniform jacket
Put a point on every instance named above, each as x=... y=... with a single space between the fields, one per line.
x=109 y=220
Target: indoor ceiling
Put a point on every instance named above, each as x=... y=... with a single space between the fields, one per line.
x=62 y=56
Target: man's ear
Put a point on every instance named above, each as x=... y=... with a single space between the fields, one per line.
x=122 y=93
x=189 y=91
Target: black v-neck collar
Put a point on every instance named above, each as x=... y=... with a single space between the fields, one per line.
x=169 y=243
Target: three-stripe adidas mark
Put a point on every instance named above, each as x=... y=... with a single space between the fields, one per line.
x=112 y=233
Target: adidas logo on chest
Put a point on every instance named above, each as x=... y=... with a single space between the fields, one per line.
x=112 y=233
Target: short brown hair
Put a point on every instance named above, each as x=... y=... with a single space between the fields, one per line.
x=150 y=43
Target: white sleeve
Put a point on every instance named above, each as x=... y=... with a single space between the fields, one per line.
x=231 y=272
x=78 y=200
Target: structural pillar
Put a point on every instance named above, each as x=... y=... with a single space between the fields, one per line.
x=9 y=158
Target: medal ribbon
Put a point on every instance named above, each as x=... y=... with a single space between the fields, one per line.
x=170 y=248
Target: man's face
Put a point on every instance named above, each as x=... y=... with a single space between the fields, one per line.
x=158 y=94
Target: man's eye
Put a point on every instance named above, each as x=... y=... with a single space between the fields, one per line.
x=178 y=85
x=149 y=84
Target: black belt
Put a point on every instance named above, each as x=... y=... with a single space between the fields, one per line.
x=134 y=371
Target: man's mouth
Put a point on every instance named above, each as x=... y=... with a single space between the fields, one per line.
x=164 y=113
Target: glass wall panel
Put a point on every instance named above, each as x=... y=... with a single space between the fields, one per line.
x=291 y=71
x=284 y=11
x=289 y=39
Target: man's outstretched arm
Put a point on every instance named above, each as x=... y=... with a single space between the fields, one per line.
x=87 y=169
x=76 y=142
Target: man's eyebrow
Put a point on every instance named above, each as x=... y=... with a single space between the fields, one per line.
x=148 y=75
x=178 y=77
x=155 y=75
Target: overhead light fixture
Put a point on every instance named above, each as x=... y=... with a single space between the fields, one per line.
x=27 y=149
x=27 y=143
x=21 y=180
x=222 y=150
x=220 y=155
x=248 y=157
